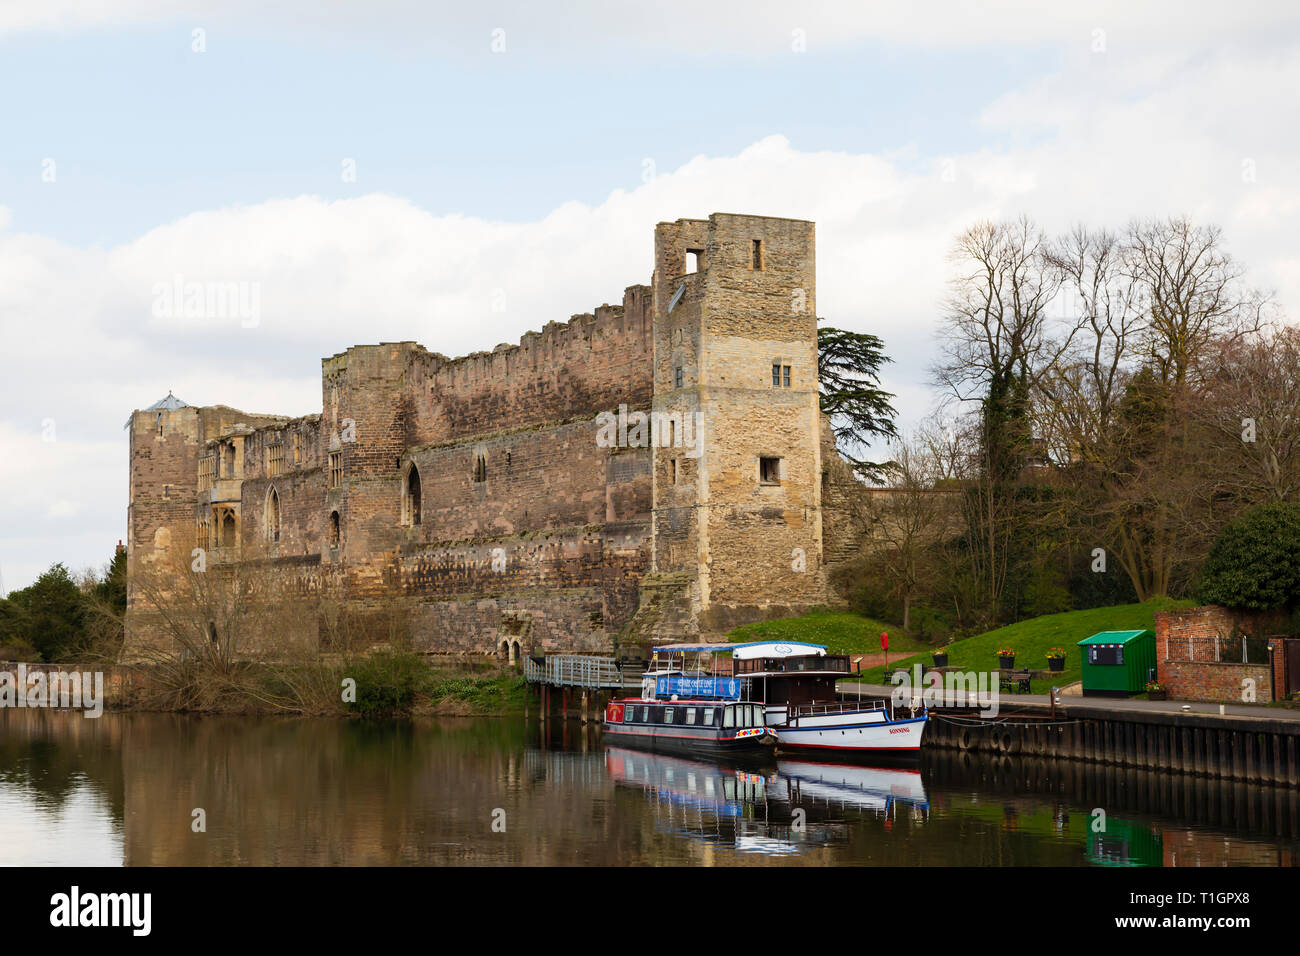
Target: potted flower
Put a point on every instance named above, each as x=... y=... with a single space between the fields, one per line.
x=1157 y=690
x=940 y=655
x=1056 y=659
x=1006 y=657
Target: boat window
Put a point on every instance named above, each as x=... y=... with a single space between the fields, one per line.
x=668 y=715
x=690 y=715
x=729 y=718
x=708 y=717
x=645 y=715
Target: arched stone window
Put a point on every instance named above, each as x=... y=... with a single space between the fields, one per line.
x=411 y=496
x=480 y=468
x=228 y=530
x=273 y=516
x=334 y=529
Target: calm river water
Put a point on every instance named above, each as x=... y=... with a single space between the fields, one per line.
x=123 y=789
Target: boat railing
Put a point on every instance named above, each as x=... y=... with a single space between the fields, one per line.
x=840 y=707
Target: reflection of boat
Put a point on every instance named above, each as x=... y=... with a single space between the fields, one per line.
x=869 y=788
x=694 y=783
x=720 y=803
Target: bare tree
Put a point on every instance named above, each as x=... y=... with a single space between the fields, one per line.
x=915 y=511
x=1076 y=397
x=997 y=343
x=1248 y=418
x=210 y=632
x=1192 y=292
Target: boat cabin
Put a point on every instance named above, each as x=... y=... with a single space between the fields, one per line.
x=692 y=713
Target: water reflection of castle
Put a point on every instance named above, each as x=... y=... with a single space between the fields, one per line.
x=777 y=809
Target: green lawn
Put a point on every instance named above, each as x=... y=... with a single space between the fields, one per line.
x=1032 y=639
x=843 y=632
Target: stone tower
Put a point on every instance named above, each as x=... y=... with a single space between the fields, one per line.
x=737 y=478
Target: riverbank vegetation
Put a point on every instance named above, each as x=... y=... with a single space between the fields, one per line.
x=1114 y=400
x=245 y=638
x=383 y=683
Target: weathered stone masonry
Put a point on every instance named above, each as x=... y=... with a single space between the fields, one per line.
x=480 y=491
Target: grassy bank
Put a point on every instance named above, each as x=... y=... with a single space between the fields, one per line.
x=843 y=632
x=1032 y=639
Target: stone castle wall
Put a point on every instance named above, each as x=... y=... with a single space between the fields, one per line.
x=527 y=523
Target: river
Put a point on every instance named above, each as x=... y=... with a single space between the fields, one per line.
x=133 y=789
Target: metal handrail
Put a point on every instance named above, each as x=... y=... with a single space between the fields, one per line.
x=843 y=707
x=576 y=670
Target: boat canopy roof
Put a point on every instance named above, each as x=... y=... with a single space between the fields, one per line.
x=750 y=650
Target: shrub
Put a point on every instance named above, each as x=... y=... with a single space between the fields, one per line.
x=49 y=615
x=387 y=682
x=928 y=625
x=872 y=599
x=1255 y=561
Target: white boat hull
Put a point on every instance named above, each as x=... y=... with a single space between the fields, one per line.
x=860 y=733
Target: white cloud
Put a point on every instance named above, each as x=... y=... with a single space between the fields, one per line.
x=590 y=28
x=1137 y=130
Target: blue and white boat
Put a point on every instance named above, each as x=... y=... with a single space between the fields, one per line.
x=689 y=687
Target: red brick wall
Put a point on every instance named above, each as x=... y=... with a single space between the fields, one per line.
x=1185 y=653
x=1279 y=651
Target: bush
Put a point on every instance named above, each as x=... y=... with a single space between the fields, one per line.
x=48 y=616
x=928 y=625
x=1255 y=561
x=387 y=682
x=872 y=599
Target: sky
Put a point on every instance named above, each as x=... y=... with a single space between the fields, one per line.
x=459 y=174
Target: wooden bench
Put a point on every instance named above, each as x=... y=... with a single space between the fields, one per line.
x=1017 y=681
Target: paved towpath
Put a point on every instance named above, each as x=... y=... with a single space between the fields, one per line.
x=1036 y=701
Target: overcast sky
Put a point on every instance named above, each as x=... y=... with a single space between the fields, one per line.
x=460 y=174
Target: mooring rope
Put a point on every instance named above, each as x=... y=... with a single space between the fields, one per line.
x=1005 y=721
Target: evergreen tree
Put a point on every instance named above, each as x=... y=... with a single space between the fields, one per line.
x=848 y=368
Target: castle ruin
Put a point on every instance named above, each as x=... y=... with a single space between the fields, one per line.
x=654 y=470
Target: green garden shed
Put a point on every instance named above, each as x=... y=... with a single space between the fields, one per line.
x=1117 y=663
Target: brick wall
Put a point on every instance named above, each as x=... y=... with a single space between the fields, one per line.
x=1191 y=646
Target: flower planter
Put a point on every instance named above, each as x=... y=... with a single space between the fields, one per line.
x=940 y=660
x=1056 y=663
x=1157 y=695
x=1007 y=663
